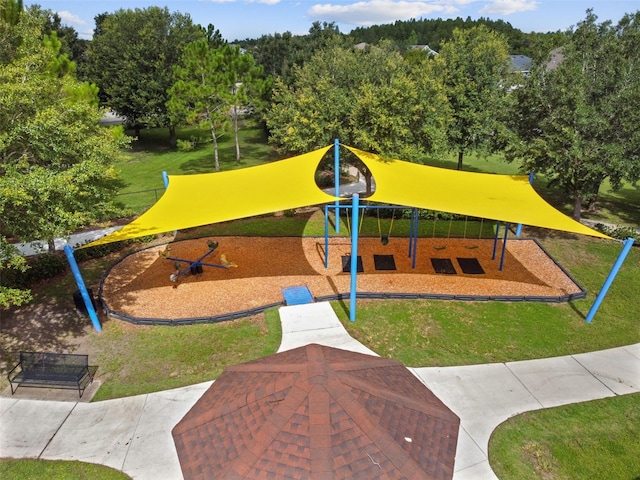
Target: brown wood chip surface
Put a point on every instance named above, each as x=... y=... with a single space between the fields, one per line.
x=140 y=286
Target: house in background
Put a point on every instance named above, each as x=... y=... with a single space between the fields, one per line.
x=520 y=64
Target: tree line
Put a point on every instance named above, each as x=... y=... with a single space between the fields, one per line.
x=573 y=120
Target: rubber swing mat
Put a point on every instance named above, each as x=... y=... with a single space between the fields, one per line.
x=443 y=265
x=470 y=266
x=346 y=264
x=384 y=262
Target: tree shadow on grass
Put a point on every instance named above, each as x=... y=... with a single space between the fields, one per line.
x=42 y=326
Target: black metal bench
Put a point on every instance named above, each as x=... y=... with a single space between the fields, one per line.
x=51 y=370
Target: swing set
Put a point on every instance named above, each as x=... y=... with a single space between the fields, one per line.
x=464 y=233
x=384 y=238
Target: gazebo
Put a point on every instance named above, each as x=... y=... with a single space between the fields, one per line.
x=318 y=412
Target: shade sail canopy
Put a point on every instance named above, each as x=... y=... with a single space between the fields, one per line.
x=195 y=200
x=505 y=198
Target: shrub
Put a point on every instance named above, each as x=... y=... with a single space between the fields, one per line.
x=617 y=231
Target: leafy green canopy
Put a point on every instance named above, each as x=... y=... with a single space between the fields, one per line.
x=372 y=98
x=474 y=69
x=576 y=120
x=56 y=160
x=212 y=84
x=131 y=59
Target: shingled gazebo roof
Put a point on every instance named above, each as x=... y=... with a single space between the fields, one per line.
x=317 y=412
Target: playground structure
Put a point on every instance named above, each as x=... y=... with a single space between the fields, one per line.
x=136 y=288
x=289 y=184
x=195 y=266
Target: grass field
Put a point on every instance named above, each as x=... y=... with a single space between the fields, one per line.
x=33 y=469
x=597 y=439
x=150 y=155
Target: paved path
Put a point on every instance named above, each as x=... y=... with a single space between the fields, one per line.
x=134 y=434
x=75 y=240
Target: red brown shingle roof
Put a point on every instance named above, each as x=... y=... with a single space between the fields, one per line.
x=317 y=412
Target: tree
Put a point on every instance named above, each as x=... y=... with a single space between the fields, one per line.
x=577 y=123
x=373 y=99
x=245 y=83
x=474 y=68
x=10 y=13
x=131 y=59
x=56 y=161
x=202 y=89
x=280 y=54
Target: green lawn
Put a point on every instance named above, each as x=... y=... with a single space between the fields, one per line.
x=150 y=155
x=584 y=441
x=430 y=333
x=138 y=360
x=32 y=469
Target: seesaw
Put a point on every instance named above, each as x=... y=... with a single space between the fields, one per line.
x=195 y=266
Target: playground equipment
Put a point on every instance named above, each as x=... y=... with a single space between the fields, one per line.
x=195 y=266
x=384 y=239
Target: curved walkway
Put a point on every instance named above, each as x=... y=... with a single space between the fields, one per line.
x=134 y=434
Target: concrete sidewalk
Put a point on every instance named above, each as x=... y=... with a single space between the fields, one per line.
x=74 y=240
x=134 y=434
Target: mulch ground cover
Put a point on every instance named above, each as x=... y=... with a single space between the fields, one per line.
x=140 y=285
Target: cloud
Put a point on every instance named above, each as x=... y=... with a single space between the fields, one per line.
x=381 y=11
x=266 y=2
x=68 y=17
x=507 y=7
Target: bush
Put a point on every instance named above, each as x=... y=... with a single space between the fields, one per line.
x=41 y=267
x=617 y=231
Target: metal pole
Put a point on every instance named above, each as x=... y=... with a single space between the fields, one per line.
x=326 y=236
x=415 y=240
x=355 y=204
x=82 y=288
x=519 y=227
x=504 y=244
x=165 y=178
x=612 y=274
x=336 y=172
x=411 y=233
x=495 y=241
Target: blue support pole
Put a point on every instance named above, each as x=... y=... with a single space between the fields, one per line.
x=326 y=236
x=495 y=241
x=411 y=233
x=518 y=230
x=519 y=227
x=165 y=179
x=336 y=172
x=614 y=271
x=414 y=253
x=355 y=204
x=82 y=288
x=504 y=244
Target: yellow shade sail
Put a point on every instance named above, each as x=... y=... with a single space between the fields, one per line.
x=195 y=200
x=505 y=198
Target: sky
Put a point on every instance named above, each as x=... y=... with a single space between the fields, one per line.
x=242 y=19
